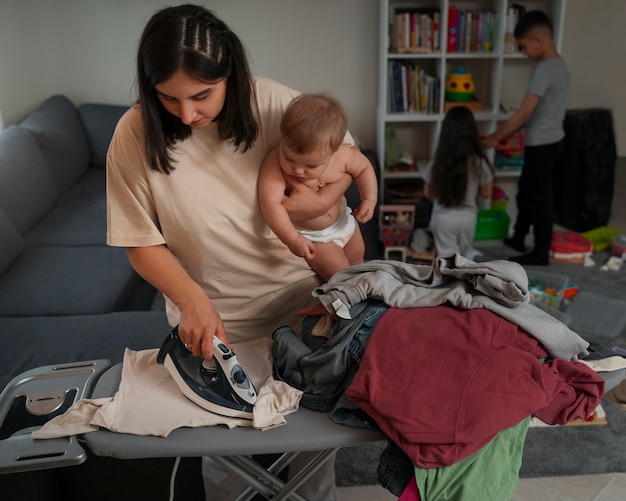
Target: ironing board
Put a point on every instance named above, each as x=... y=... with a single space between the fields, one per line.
x=305 y=431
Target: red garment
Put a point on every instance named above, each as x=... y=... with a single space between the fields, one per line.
x=442 y=382
x=410 y=492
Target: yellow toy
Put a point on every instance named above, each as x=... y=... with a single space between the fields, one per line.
x=459 y=86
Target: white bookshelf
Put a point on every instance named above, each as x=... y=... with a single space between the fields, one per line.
x=499 y=76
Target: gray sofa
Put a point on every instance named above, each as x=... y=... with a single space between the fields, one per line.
x=65 y=295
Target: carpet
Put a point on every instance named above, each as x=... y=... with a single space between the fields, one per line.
x=549 y=451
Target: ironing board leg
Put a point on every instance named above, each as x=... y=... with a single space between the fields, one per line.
x=304 y=474
x=261 y=480
x=265 y=482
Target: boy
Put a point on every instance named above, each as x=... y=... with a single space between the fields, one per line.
x=311 y=156
x=542 y=112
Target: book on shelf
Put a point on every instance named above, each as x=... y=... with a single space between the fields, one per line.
x=453 y=28
x=414 y=30
x=411 y=89
x=513 y=14
x=470 y=30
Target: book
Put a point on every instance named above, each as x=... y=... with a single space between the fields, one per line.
x=453 y=27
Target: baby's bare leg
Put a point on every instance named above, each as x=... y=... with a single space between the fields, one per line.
x=355 y=248
x=329 y=259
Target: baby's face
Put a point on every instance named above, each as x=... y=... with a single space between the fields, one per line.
x=303 y=166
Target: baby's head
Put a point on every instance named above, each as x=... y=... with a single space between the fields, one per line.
x=533 y=34
x=314 y=121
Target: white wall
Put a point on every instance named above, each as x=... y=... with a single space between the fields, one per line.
x=594 y=47
x=85 y=49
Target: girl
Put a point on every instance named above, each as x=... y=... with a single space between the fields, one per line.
x=459 y=172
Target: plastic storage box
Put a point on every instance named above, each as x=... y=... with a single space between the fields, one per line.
x=547 y=288
x=492 y=224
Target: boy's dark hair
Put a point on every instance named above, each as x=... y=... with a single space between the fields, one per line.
x=192 y=39
x=532 y=19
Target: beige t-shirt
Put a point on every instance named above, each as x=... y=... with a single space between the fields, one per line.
x=206 y=212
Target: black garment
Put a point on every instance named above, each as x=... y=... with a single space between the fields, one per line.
x=534 y=196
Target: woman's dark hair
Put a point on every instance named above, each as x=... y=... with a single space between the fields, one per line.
x=192 y=39
x=458 y=155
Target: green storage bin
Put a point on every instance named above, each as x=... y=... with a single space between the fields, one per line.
x=492 y=224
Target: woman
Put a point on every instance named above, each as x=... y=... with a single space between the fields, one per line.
x=182 y=174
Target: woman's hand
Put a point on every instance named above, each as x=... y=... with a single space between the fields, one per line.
x=199 y=320
x=199 y=323
x=304 y=203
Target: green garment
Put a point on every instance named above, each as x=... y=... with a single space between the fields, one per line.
x=491 y=473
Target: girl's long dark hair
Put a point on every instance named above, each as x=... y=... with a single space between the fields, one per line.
x=191 y=38
x=458 y=155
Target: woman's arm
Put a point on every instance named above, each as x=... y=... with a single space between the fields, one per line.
x=300 y=206
x=199 y=320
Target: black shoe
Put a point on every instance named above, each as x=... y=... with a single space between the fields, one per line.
x=516 y=244
x=532 y=258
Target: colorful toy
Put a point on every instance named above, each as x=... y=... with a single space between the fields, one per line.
x=396 y=223
x=509 y=153
x=459 y=86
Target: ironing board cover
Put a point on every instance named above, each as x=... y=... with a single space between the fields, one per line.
x=305 y=430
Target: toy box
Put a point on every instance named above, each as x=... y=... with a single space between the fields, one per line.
x=396 y=224
x=509 y=155
x=492 y=224
x=569 y=247
x=547 y=289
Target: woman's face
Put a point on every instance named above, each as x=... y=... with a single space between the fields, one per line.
x=195 y=102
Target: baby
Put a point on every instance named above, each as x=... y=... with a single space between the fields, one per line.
x=311 y=156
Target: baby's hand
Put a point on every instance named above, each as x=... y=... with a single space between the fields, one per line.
x=302 y=247
x=365 y=211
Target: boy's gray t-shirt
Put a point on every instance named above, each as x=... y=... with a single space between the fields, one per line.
x=550 y=81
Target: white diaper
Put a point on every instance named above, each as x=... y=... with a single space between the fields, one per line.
x=340 y=232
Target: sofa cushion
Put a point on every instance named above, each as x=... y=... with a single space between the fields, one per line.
x=61 y=137
x=99 y=121
x=27 y=189
x=31 y=342
x=79 y=216
x=67 y=281
x=11 y=243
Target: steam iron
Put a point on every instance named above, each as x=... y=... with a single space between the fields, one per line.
x=219 y=385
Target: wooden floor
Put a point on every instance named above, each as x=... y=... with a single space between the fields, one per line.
x=605 y=487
